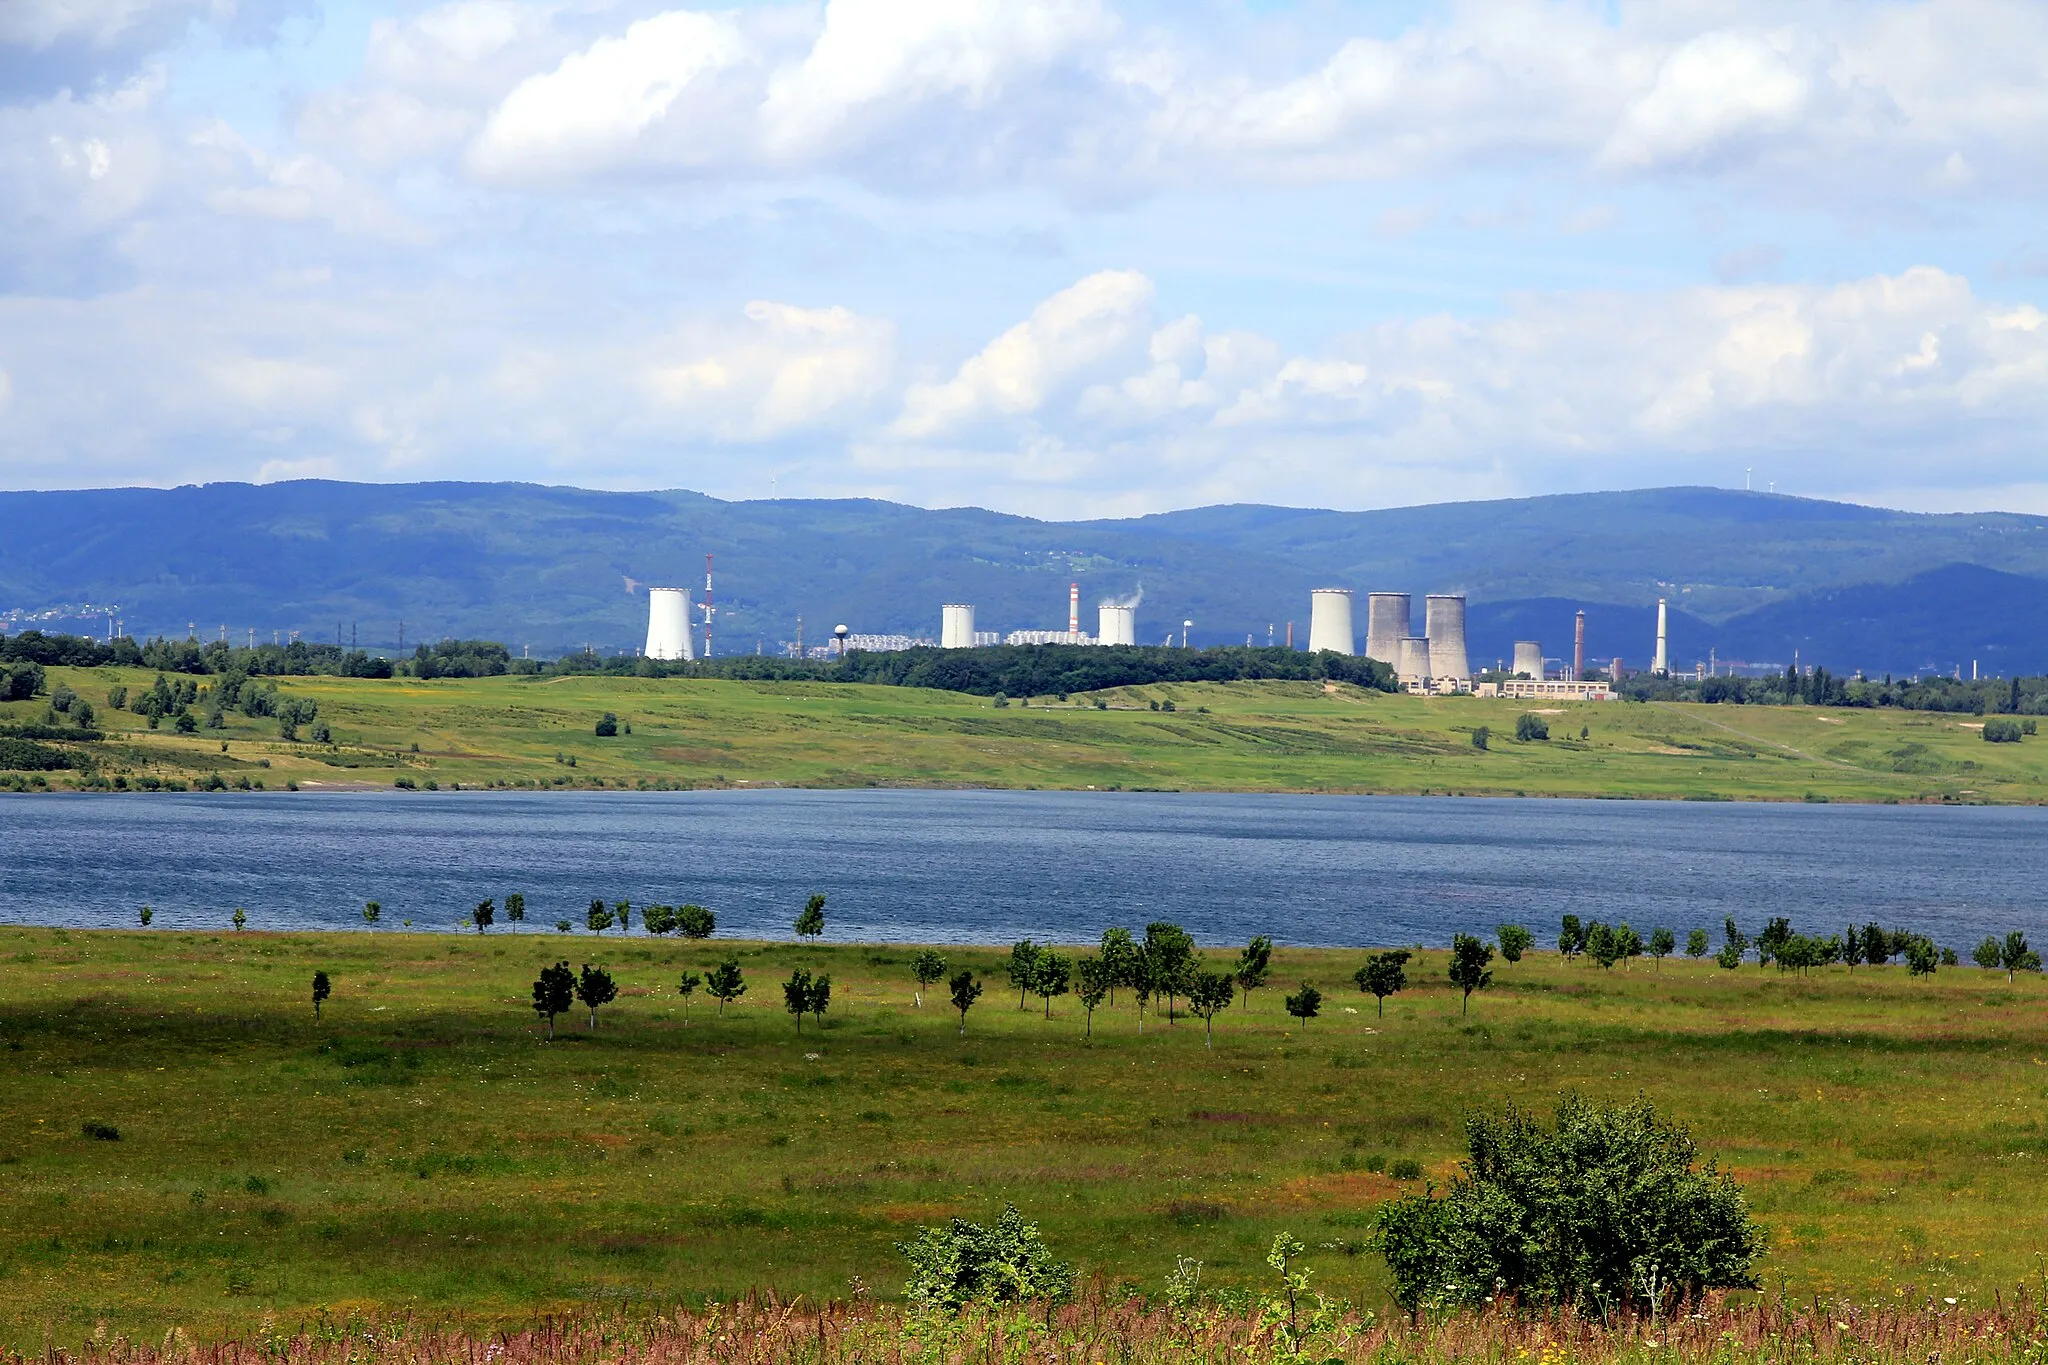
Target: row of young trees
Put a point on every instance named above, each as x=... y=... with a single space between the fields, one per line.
x=1777 y=944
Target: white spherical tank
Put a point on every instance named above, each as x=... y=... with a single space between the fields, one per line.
x=1386 y=625
x=668 y=624
x=1414 y=665
x=1116 y=625
x=956 y=626
x=1329 y=621
x=1529 y=658
x=1444 y=614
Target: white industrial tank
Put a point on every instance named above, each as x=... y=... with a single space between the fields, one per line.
x=1329 y=620
x=668 y=624
x=1116 y=625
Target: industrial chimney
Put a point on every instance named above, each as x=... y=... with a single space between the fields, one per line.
x=1386 y=625
x=1579 y=647
x=1529 y=658
x=1661 y=665
x=1329 y=621
x=1444 y=615
x=956 y=626
x=1073 y=613
x=668 y=624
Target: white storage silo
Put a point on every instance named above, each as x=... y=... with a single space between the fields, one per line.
x=668 y=624
x=956 y=626
x=1414 y=665
x=1116 y=624
x=1329 y=621
x=1386 y=625
x=1529 y=658
x=1445 y=617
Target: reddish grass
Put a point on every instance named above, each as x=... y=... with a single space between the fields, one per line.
x=1751 y=1330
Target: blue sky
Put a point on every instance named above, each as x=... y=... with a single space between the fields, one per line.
x=1062 y=257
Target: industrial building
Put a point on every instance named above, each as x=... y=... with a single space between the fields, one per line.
x=1388 y=618
x=1554 y=689
x=1116 y=624
x=1329 y=621
x=668 y=624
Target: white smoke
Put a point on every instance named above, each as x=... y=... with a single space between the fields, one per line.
x=1132 y=601
x=633 y=585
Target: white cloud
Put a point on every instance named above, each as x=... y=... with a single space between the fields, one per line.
x=1014 y=375
x=587 y=113
x=875 y=58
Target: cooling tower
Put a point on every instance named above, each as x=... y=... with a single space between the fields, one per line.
x=1414 y=664
x=1329 y=621
x=1445 y=617
x=1116 y=625
x=1660 y=665
x=1529 y=658
x=668 y=624
x=956 y=627
x=1386 y=625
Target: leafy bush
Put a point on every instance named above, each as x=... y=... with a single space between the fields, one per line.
x=1529 y=726
x=965 y=1263
x=607 y=726
x=695 y=921
x=1480 y=736
x=100 y=1132
x=2001 y=731
x=1604 y=1210
x=1407 y=1168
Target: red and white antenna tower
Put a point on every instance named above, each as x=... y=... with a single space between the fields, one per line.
x=709 y=610
x=1073 y=613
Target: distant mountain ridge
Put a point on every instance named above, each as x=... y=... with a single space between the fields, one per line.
x=1749 y=575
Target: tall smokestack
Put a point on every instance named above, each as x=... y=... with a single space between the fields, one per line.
x=1662 y=663
x=1579 y=647
x=1073 y=613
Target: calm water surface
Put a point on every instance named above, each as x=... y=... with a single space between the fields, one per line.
x=991 y=867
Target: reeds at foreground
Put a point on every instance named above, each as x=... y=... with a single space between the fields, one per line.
x=1097 y=1330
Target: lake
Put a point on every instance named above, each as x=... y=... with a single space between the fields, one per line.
x=992 y=867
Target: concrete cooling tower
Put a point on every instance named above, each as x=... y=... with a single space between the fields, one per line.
x=1414 y=664
x=668 y=624
x=1386 y=625
x=956 y=627
x=1329 y=621
x=1529 y=658
x=1445 y=613
x=1116 y=625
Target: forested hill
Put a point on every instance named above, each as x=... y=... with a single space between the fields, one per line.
x=1753 y=576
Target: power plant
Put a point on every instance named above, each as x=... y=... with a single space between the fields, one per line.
x=1529 y=658
x=1413 y=670
x=1444 y=615
x=668 y=624
x=1329 y=621
x=1116 y=624
x=1388 y=618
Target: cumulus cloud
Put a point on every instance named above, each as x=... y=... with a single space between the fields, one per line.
x=587 y=113
x=1014 y=375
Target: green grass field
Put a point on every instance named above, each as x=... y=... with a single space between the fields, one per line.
x=424 y=1149
x=1243 y=736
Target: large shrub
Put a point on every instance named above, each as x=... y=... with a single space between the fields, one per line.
x=963 y=1263
x=1605 y=1209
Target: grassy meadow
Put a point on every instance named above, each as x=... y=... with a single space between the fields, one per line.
x=1266 y=736
x=422 y=1149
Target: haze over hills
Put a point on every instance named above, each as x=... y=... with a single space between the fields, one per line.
x=1752 y=576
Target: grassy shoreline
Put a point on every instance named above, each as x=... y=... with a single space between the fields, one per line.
x=529 y=733
x=421 y=1148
